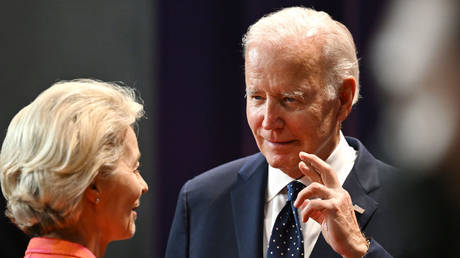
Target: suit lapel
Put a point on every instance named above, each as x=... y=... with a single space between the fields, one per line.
x=248 y=197
x=362 y=180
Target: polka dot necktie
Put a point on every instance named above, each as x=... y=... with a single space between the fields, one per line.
x=286 y=239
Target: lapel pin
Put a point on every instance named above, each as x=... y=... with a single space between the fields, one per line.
x=358 y=209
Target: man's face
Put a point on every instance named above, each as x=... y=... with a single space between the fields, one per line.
x=287 y=109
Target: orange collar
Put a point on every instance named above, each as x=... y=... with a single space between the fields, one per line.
x=58 y=247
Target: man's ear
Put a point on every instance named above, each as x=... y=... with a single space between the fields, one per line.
x=92 y=193
x=345 y=94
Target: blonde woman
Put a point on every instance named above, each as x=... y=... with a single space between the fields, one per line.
x=69 y=168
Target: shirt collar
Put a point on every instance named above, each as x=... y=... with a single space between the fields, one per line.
x=50 y=246
x=340 y=159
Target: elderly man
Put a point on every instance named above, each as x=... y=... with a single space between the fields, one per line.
x=301 y=82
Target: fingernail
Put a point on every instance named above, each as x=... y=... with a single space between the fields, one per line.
x=302 y=164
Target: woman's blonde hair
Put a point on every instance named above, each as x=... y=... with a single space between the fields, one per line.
x=57 y=145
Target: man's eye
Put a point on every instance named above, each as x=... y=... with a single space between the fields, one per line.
x=288 y=100
x=257 y=97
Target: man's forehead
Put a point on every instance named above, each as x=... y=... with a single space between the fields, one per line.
x=266 y=53
x=259 y=58
x=310 y=42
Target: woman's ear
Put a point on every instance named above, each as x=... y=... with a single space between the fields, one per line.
x=346 y=94
x=92 y=193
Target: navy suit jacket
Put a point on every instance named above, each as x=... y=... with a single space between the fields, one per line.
x=220 y=213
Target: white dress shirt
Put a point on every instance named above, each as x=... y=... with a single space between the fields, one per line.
x=341 y=160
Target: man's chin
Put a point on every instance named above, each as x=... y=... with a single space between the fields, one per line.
x=288 y=165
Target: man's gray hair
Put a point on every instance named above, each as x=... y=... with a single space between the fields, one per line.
x=292 y=27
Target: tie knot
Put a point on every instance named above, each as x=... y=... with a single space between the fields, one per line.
x=294 y=188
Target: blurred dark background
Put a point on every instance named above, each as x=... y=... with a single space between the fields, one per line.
x=185 y=60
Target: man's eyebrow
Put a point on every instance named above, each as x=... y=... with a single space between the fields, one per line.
x=251 y=91
x=292 y=94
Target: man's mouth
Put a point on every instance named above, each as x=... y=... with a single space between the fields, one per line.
x=280 y=142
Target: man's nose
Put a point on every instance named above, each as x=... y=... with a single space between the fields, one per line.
x=272 y=116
